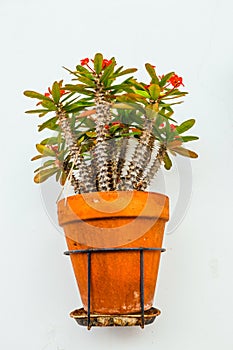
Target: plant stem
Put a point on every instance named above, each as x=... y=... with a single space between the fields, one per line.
x=81 y=184
x=141 y=156
x=152 y=171
x=105 y=178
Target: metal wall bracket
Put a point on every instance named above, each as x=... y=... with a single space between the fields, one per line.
x=85 y=318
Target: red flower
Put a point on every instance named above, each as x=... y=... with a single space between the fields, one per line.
x=176 y=81
x=62 y=92
x=84 y=61
x=106 y=126
x=153 y=66
x=47 y=94
x=147 y=86
x=116 y=122
x=106 y=63
x=173 y=127
x=161 y=125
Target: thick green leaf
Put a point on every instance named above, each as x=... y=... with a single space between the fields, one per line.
x=154 y=90
x=50 y=141
x=167 y=161
x=84 y=71
x=43 y=175
x=185 y=126
x=56 y=92
x=86 y=81
x=143 y=93
x=50 y=124
x=91 y=134
x=185 y=152
x=63 y=178
x=136 y=84
x=189 y=138
x=58 y=174
x=75 y=107
x=38 y=156
x=118 y=70
x=45 y=165
x=98 y=62
x=80 y=88
x=49 y=105
x=107 y=73
x=37 y=111
x=33 y=94
x=45 y=150
x=126 y=71
x=151 y=71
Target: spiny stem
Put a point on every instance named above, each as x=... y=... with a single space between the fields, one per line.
x=141 y=156
x=123 y=147
x=81 y=184
x=152 y=171
x=104 y=169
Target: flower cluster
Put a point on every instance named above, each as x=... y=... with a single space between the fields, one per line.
x=176 y=81
x=85 y=62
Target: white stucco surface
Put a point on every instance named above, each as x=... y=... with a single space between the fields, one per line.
x=195 y=281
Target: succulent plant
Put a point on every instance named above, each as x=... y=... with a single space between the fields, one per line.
x=109 y=133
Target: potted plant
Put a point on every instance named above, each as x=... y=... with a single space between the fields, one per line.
x=110 y=138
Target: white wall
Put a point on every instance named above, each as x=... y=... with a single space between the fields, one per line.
x=195 y=284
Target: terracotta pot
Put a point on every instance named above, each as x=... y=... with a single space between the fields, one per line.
x=109 y=220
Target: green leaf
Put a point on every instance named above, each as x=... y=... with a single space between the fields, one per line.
x=80 y=88
x=167 y=161
x=189 y=138
x=132 y=97
x=58 y=174
x=91 y=134
x=185 y=152
x=154 y=90
x=45 y=165
x=80 y=140
x=63 y=178
x=142 y=93
x=136 y=84
x=165 y=78
x=83 y=71
x=50 y=124
x=75 y=107
x=98 y=62
x=38 y=156
x=33 y=94
x=50 y=141
x=56 y=92
x=45 y=150
x=107 y=72
x=87 y=81
x=49 y=105
x=151 y=71
x=118 y=70
x=126 y=71
x=185 y=126
x=43 y=175
x=37 y=111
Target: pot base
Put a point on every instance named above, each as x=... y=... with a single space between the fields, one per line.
x=97 y=320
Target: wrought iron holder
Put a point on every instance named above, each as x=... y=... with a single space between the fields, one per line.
x=85 y=318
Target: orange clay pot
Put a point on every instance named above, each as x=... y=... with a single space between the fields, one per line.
x=113 y=220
